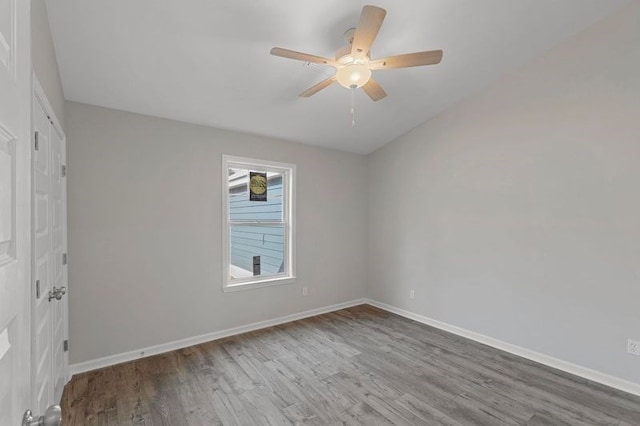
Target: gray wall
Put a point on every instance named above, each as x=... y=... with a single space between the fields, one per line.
x=517 y=213
x=44 y=60
x=145 y=231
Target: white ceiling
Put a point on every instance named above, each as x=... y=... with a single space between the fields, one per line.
x=208 y=62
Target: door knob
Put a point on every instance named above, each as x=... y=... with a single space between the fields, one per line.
x=57 y=293
x=52 y=417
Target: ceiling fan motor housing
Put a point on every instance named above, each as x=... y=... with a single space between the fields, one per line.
x=343 y=55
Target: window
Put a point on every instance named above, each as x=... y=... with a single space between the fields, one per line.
x=258 y=227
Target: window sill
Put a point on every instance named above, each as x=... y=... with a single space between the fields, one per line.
x=250 y=285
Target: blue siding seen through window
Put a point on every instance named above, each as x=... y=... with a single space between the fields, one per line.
x=255 y=239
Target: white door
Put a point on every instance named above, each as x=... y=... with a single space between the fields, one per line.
x=15 y=213
x=49 y=259
x=58 y=249
x=42 y=328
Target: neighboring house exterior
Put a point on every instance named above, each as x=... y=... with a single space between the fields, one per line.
x=247 y=241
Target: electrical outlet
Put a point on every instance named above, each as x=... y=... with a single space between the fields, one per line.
x=633 y=347
x=304 y=291
x=412 y=294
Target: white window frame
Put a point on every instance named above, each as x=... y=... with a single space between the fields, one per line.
x=288 y=213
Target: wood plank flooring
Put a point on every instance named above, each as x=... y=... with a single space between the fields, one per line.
x=358 y=366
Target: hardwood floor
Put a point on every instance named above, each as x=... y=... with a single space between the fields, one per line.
x=358 y=366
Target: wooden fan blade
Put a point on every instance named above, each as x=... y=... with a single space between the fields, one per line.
x=370 y=22
x=408 y=60
x=374 y=90
x=304 y=57
x=318 y=87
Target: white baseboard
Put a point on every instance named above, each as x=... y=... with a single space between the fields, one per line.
x=587 y=373
x=190 y=341
x=577 y=370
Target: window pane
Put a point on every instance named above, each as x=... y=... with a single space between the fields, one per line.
x=241 y=207
x=259 y=244
x=258 y=223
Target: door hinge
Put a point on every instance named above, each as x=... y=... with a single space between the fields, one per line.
x=37 y=289
x=63 y=170
x=64 y=258
x=65 y=346
x=36 y=139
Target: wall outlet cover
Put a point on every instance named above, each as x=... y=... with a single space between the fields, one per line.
x=633 y=347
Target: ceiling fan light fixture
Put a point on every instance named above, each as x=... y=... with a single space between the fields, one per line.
x=353 y=76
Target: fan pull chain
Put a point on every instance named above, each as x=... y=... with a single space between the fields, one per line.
x=353 y=106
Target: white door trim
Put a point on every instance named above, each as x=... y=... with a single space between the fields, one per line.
x=39 y=94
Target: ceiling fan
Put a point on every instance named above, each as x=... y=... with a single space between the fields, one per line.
x=353 y=62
